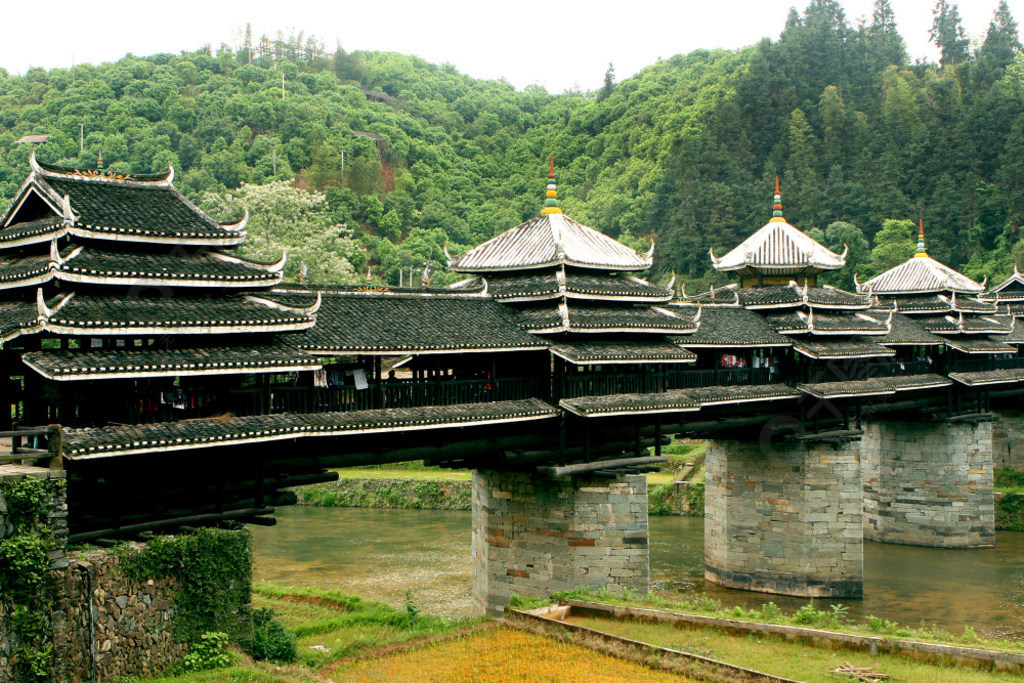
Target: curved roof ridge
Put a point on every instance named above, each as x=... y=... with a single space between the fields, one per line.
x=45 y=170
x=779 y=245
x=921 y=274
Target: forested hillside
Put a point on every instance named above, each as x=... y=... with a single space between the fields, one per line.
x=394 y=157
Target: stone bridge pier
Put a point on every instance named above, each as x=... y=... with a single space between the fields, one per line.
x=784 y=517
x=1008 y=440
x=534 y=535
x=929 y=483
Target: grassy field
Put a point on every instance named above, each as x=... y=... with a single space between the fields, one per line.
x=784 y=658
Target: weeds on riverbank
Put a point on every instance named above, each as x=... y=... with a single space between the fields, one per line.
x=832 y=618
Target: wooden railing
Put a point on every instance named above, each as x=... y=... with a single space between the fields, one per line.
x=853 y=370
x=594 y=384
x=986 y=363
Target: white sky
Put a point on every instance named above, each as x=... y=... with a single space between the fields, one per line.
x=558 y=44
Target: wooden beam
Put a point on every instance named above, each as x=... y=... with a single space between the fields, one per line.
x=173 y=522
x=584 y=467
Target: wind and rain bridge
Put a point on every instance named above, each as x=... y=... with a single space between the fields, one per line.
x=179 y=384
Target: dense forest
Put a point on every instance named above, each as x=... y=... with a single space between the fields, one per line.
x=371 y=161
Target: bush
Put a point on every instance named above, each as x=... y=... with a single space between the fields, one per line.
x=269 y=639
x=211 y=652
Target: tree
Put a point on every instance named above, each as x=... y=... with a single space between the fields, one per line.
x=609 y=83
x=947 y=32
x=283 y=218
x=1000 y=48
x=894 y=244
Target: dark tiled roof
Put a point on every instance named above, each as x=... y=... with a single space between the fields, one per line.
x=969 y=304
x=156 y=362
x=229 y=431
x=906 y=331
x=725 y=327
x=781 y=296
x=611 y=318
x=715 y=296
x=677 y=400
x=826 y=323
x=917 y=303
x=350 y=322
x=537 y=285
x=1004 y=376
x=94 y=314
x=40 y=230
x=614 y=285
x=596 y=352
x=618 y=404
x=180 y=266
x=851 y=347
x=875 y=386
x=743 y=393
x=22 y=269
x=135 y=209
x=979 y=345
x=16 y=318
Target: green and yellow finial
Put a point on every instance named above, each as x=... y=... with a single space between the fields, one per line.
x=920 y=240
x=551 y=203
x=777 y=205
x=99 y=160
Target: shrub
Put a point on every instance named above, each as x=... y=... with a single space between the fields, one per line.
x=210 y=652
x=269 y=639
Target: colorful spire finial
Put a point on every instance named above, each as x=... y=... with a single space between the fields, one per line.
x=777 y=205
x=551 y=202
x=920 y=240
x=99 y=160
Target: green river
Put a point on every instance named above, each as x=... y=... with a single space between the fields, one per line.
x=381 y=554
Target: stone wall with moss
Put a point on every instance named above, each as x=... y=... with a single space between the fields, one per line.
x=104 y=614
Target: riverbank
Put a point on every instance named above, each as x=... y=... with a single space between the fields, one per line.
x=335 y=636
x=677 y=488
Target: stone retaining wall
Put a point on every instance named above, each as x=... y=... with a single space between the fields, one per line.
x=784 y=518
x=103 y=625
x=535 y=536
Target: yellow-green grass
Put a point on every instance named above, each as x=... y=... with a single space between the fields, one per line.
x=499 y=655
x=432 y=474
x=776 y=656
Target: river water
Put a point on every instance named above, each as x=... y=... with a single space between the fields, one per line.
x=381 y=554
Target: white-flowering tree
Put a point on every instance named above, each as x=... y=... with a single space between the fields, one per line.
x=285 y=218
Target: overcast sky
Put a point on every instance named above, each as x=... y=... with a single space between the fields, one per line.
x=558 y=44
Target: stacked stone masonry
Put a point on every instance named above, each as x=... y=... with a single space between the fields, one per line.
x=1008 y=440
x=929 y=484
x=784 y=518
x=105 y=626
x=534 y=536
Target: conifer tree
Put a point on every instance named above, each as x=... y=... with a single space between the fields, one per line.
x=947 y=32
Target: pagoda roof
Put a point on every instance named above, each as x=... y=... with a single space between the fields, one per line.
x=550 y=240
x=920 y=274
x=568 y=317
x=18 y=318
x=732 y=327
x=112 y=206
x=234 y=431
x=94 y=315
x=32 y=232
x=92 y=265
x=617 y=352
x=841 y=348
x=159 y=362
x=1012 y=288
x=778 y=247
x=574 y=284
x=384 y=323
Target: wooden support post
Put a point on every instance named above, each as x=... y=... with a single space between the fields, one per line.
x=657 y=436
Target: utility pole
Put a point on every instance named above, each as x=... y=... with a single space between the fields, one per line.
x=273 y=155
x=282 y=86
x=343 y=168
x=81 y=138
